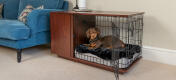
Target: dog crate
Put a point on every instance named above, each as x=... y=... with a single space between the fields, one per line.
x=125 y=26
x=120 y=35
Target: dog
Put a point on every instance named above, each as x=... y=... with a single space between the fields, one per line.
x=108 y=42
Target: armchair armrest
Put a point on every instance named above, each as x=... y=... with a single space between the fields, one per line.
x=39 y=20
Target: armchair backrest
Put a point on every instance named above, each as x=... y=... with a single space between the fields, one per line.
x=48 y=4
x=12 y=8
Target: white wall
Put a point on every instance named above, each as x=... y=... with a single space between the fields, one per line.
x=160 y=18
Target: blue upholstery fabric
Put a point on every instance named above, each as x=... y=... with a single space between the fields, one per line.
x=48 y=4
x=13 y=30
x=53 y=4
x=39 y=20
x=37 y=39
x=15 y=34
x=34 y=3
x=10 y=8
x=65 y=5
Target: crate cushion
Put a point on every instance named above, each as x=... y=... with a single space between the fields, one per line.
x=123 y=62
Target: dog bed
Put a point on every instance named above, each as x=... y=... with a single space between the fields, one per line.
x=123 y=62
x=104 y=56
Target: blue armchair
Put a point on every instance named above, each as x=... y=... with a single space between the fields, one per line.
x=36 y=31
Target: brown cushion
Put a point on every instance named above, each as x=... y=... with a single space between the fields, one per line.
x=26 y=11
x=1 y=7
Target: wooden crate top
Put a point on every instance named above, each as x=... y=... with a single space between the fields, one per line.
x=104 y=13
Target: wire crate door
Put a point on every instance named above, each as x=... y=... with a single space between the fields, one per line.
x=98 y=30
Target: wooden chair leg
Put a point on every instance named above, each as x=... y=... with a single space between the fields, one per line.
x=19 y=51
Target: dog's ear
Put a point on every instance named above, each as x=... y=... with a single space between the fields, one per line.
x=88 y=33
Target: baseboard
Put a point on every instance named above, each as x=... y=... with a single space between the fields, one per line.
x=159 y=55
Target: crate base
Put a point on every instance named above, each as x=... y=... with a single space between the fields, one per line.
x=121 y=71
x=123 y=62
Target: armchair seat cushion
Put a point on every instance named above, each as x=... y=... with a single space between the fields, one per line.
x=13 y=30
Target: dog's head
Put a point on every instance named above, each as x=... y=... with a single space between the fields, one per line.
x=92 y=33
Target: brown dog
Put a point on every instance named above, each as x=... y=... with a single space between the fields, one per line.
x=108 y=42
